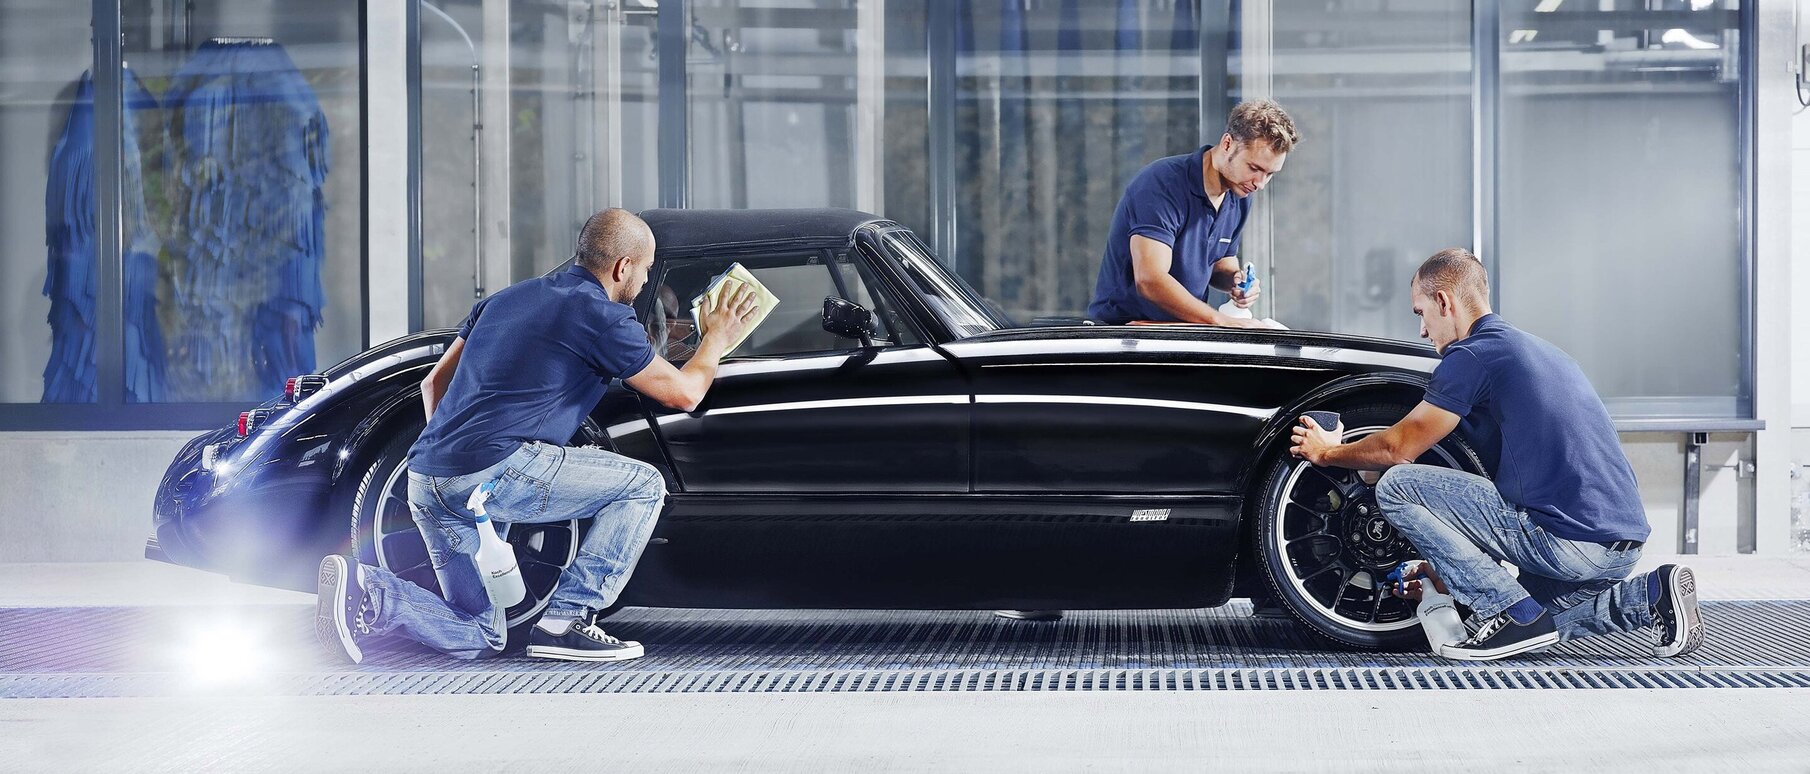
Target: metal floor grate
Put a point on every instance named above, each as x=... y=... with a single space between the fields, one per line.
x=54 y=652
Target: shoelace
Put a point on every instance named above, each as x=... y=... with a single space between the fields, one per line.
x=589 y=628
x=1486 y=631
x=362 y=623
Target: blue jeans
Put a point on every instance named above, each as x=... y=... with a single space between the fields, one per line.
x=1461 y=524
x=538 y=483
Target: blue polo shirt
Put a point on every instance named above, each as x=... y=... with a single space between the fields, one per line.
x=1167 y=202
x=538 y=355
x=1555 y=449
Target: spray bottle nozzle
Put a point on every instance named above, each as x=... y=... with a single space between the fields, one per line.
x=1250 y=276
x=475 y=503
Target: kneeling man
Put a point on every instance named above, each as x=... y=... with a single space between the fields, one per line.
x=1563 y=507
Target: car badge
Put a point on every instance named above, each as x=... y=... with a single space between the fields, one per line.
x=1150 y=514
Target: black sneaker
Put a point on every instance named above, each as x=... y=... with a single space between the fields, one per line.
x=1030 y=615
x=1675 y=612
x=584 y=640
x=1501 y=637
x=338 y=608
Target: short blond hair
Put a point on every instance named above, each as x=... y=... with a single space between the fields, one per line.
x=1264 y=120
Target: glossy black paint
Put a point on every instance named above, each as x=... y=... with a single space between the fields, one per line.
x=1001 y=468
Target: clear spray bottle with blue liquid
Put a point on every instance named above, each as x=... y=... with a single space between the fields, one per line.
x=1231 y=308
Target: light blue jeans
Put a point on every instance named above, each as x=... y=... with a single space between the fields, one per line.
x=1461 y=524
x=538 y=483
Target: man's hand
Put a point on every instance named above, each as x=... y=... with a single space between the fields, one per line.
x=1245 y=298
x=725 y=318
x=1311 y=441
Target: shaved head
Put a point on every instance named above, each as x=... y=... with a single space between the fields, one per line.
x=1457 y=272
x=611 y=236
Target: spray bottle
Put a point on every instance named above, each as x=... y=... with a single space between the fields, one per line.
x=496 y=559
x=1437 y=613
x=1231 y=308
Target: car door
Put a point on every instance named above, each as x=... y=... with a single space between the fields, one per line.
x=1122 y=411
x=798 y=410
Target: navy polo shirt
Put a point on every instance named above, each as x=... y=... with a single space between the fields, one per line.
x=1167 y=202
x=538 y=355
x=1556 y=452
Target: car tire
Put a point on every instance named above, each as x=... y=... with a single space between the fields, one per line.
x=384 y=535
x=1324 y=547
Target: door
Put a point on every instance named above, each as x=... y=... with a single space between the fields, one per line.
x=798 y=410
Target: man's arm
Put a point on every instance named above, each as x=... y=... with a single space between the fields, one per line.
x=1401 y=444
x=1150 y=262
x=684 y=388
x=433 y=388
x=1225 y=274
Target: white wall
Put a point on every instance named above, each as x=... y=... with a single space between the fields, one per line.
x=1800 y=312
x=81 y=497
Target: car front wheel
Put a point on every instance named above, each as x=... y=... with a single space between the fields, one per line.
x=1325 y=546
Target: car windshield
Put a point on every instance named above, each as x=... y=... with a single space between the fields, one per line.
x=965 y=312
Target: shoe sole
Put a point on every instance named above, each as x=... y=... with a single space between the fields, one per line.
x=570 y=654
x=1683 y=587
x=330 y=598
x=1463 y=654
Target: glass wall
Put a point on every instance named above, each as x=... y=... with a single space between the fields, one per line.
x=1002 y=130
x=582 y=104
x=48 y=280
x=1058 y=104
x=1382 y=177
x=809 y=104
x=1620 y=197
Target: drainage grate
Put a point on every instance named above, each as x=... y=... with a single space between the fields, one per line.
x=49 y=653
x=1041 y=680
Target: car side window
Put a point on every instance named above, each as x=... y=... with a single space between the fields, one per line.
x=801 y=281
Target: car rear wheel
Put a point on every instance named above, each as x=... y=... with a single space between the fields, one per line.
x=1325 y=546
x=384 y=535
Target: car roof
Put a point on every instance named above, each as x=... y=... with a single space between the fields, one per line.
x=685 y=231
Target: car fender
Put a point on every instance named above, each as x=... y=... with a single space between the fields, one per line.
x=1385 y=383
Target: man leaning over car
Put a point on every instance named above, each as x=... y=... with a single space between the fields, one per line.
x=528 y=365
x=1176 y=229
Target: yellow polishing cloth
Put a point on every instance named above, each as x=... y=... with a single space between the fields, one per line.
x=725 y=284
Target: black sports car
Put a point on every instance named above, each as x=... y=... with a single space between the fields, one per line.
x=886 y=439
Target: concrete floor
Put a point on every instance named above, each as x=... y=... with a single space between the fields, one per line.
x=1336 y=730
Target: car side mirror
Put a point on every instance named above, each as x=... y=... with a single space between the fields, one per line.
x=848 y=320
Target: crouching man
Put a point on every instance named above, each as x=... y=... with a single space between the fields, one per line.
x=1563 y=507
x=526 y=368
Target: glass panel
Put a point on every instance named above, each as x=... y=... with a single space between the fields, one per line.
x=582 y=126
x=1056 y=110
x=1621 y=199
x=449 y=184
x=48 y=204
x=776 y=92
x=795 y=326
x=255 y=192
x=1382 y=177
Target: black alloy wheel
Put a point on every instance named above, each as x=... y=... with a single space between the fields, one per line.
x=1325 y=546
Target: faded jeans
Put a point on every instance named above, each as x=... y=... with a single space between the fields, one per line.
x=538 y=483
x=1461 y=524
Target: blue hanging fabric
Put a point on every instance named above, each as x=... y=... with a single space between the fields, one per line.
x=70 y=208
x=247 y=148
